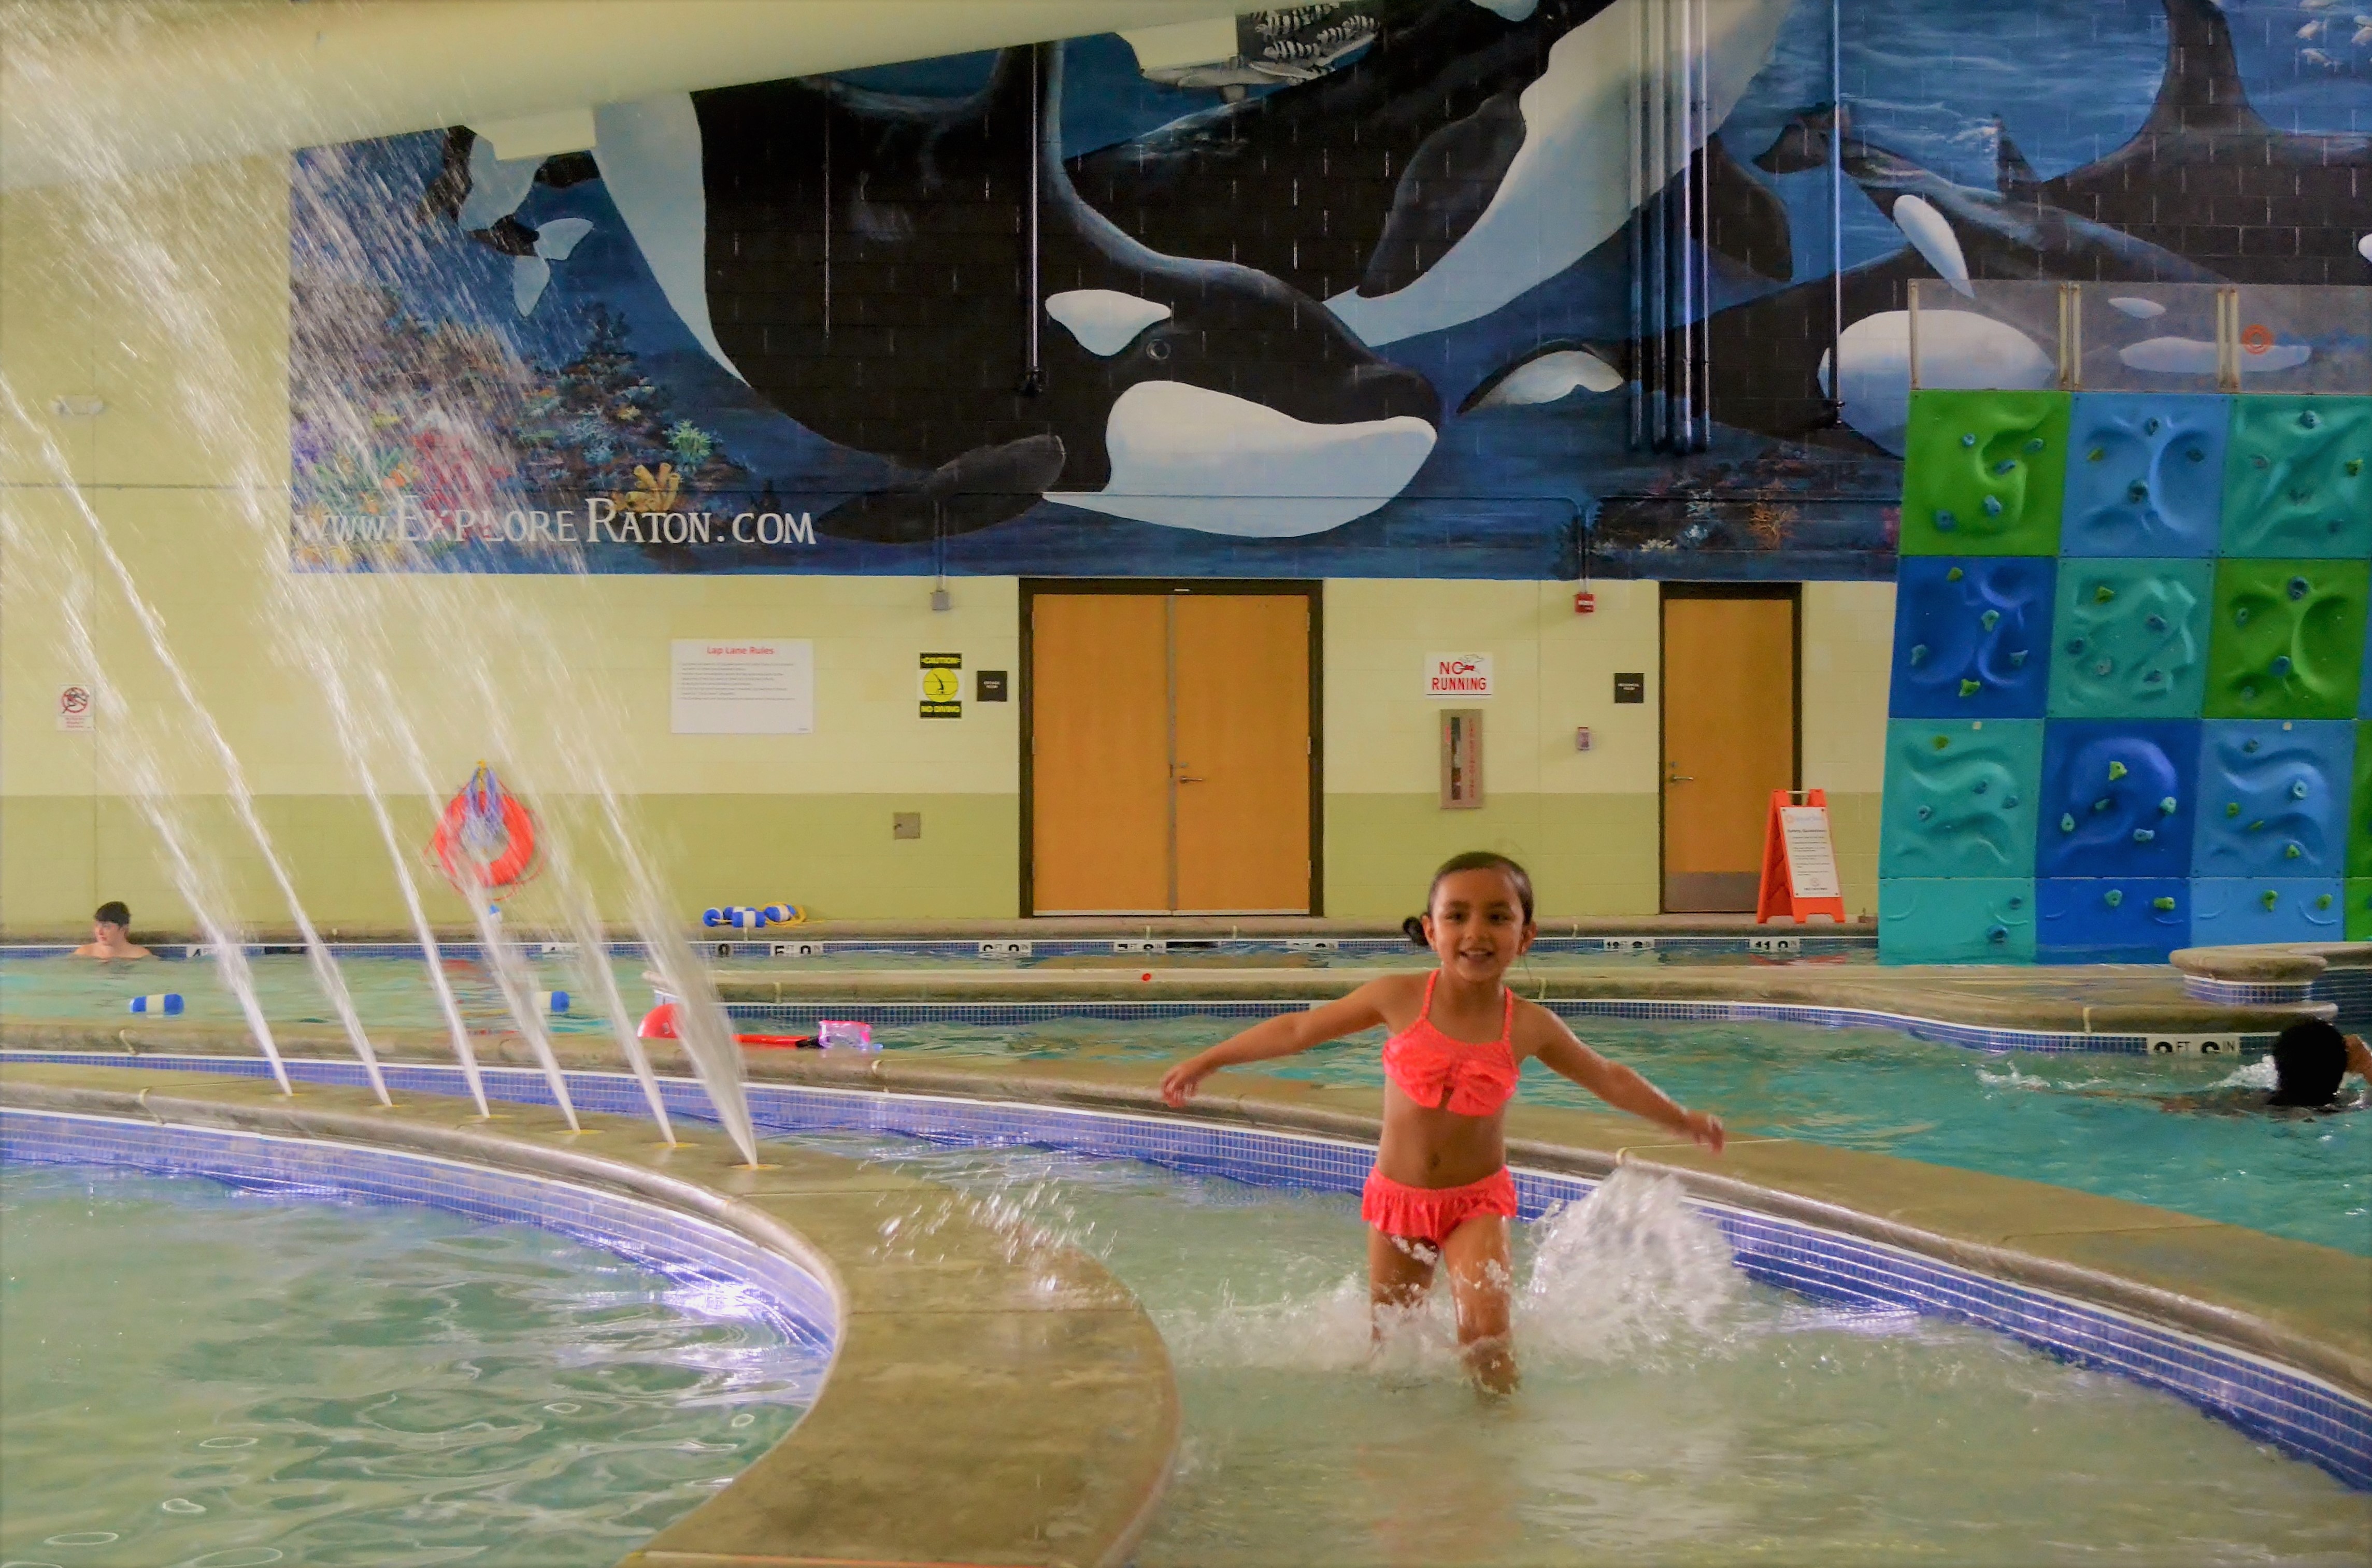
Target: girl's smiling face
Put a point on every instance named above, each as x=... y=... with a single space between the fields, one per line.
x=1476 y=926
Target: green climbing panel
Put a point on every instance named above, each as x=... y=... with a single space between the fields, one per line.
x=2288 y=640
x=1984 y=473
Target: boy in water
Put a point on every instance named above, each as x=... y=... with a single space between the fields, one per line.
x=110 y=935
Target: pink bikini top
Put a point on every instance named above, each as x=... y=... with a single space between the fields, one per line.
x=1424 y=1062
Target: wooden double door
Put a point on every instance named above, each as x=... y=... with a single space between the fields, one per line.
x=1172 y=761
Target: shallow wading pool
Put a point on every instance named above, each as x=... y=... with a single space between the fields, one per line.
x=193 y=1373
x=1670 y=1411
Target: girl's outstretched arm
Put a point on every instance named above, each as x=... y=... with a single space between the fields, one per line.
x=1623 y=1089
x=1284 y=1035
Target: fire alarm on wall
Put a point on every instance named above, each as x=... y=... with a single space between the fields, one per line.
x=1585 y=602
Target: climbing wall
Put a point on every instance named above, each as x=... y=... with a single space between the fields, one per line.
x=2132 y=698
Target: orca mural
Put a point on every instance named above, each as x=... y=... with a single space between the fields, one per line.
x=1396 y=288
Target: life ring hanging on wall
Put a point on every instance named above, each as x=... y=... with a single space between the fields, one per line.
x=485 y=839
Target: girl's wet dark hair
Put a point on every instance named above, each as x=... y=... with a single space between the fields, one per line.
x=113 y=913
x=1472 y=860
x=2309 y=1060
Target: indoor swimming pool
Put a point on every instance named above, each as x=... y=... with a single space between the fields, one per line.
x=347 y=1382
x=2178 y=1133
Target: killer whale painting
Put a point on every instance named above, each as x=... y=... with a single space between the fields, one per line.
x=1364 y=298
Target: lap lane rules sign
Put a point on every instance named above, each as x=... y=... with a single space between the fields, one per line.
x=943 y=685
x=1457 y=675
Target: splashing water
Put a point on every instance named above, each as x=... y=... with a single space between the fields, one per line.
x=2257 y=1075
x=1621 y=1275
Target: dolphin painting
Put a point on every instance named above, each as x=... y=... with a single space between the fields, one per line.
x=1471 y=152
x=865 y=263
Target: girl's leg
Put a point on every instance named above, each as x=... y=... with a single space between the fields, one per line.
x=1481 y=1274
x=1399 y=1274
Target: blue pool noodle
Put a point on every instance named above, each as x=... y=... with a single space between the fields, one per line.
x=167 y=1001
x=556 y=1002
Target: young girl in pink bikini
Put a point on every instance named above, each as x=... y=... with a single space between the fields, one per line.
x=1440 y=1192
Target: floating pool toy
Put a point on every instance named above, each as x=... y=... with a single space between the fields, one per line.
x=753 y=917
x=485 y=839
x=659 y=1023
x=838 y=1034
x=555 y=1001
x=168 y=1003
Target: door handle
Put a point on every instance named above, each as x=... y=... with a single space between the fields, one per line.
x=1679 y=778
x=1185 y=778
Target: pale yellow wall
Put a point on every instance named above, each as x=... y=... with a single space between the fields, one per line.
x=1583 y=822
x=1848 y=654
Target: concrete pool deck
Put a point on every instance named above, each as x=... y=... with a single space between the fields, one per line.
x=2306 y=1305
x=2121 y=1000
x=1011 y=1377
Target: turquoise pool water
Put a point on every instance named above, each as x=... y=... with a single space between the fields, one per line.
x=1670 y=1411
x=2088 y=1121
x=191 y=1374
x=2094 y=1121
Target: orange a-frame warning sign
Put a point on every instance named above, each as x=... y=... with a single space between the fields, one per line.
x=1799 y=863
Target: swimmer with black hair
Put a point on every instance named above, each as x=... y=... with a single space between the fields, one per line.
x=110 y=935
x=2311 y=1062
x=1440 y=1192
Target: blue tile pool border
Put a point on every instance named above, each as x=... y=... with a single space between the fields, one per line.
x=2299 y=1414
x=681 y=1246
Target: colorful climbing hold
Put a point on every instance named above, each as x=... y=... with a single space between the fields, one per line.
x=2239 y=615
x=2252 y=745
x=2168 y=806
x=2114 y=896
x=1981 y=786
x=1998 y=933
x=2308 y=418
x=1989 y=620
x=2298 y=789
x=2300 y=587
x=1970 y=440
x=2269 y=897
x=2008 y=802
x=2144 y=835
x=2007 y=465
x=2292 y=852
x=2162 y=903
x=2150 y=425
x=1944 y=520
x=2075 y=645
x=2154 y=677
x=1970 y=688
x=2017 y=659
x=1993 y=506
x=1941 y=741
x=2155 y=622
x=1954 y=576
x=2137 y=493
x=1925 y=812
x=2102 y=804
x=2034 y=444
x=2068 y=821
x=1918 y=653
x=2354 y=466
x=2323 y=900
x=2195 y=455
x=2102 y=593
x=2116 y=770
x=2257 y=826
x=2095 y=455
x=2280 y=665
x=2105 y=666
x=2231 y=808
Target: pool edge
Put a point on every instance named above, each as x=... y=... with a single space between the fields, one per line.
x=1103 y=1442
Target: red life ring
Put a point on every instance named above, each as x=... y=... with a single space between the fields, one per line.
x=518 y=845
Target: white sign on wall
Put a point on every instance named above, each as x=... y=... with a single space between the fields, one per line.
x=742 y=686
x=77 y=710
x=1457 y=675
